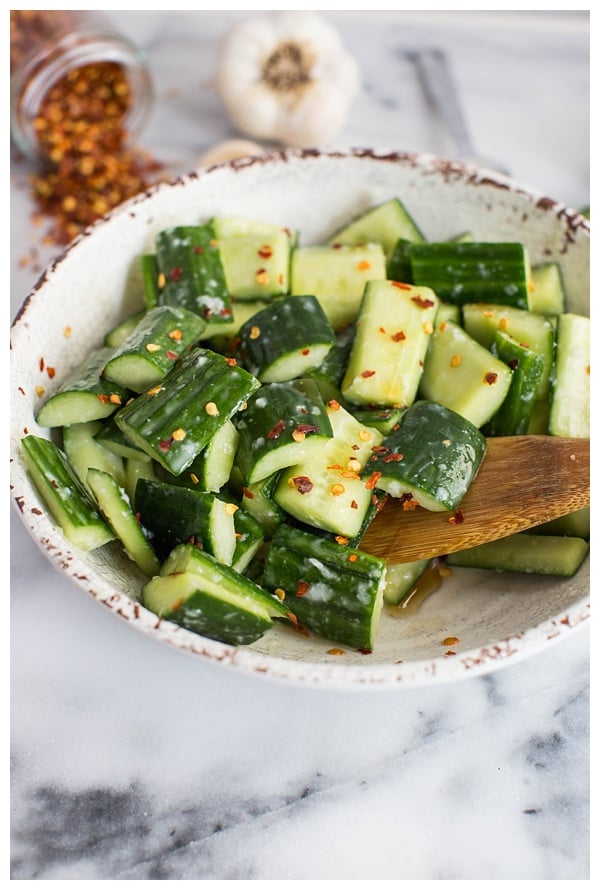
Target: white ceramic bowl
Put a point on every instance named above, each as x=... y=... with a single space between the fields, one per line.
x=497 y=618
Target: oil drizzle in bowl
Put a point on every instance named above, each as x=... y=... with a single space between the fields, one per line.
x=430 y=581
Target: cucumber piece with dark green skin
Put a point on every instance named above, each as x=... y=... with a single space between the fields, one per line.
x=526 y=552
x=464 y=272
x=431 y=458
x=570 y=397
x=175 y=515
x=385 y=224
x=257 y=499
x=84 y=395
x=119 y=333
x=333 y=590
x=147 y=355
x=337 y=276
x=212 y=599
x=84 y=450
x=286 y=340
x=114 y=504
x=256 y=265
x=327 y=492
x=394 y=327
x=463 y=375
x=176 y=419
x=150 y=279
x=575 y=525
x=137 y=468
x=514 y=415
x=547 y=295
x=191 y=272
x=211 y=469
x=398 y=262
x=68 y=502
x=113 y=439
x=283 y=423
x=536 y=331
x=385 y=420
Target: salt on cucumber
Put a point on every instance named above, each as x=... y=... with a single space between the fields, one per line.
x=114 y=504
x=526 y=552
x=394 y=327
x=68 y=502
x=333 y=590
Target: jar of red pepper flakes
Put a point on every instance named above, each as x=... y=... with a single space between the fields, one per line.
x=80 y=94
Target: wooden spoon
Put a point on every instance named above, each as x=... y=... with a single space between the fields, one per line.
x=522 y=482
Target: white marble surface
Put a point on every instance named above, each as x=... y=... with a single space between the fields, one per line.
x=132 y=761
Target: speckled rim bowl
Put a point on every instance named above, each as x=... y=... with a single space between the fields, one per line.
x=497 y=618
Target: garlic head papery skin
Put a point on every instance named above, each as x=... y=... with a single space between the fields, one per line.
x=286 y=77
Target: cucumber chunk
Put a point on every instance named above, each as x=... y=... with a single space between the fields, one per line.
x=547 y=295
x=119 y=333
x=256 y=264
x=384 y=224
x=570 y=399
x=84 y=451
x=84 y=395
x=67 y=500
x=333 y=590
x=431 y=458
x=114 y=504
x=337 y=276
x=286 y=340
x=514 y=415
x=463 y=375
x=401 y=578
x=526 y=552
x=394 y=327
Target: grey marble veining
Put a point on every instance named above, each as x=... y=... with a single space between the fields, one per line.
x=131 y=761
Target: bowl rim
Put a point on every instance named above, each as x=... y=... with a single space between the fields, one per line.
x=468 y=663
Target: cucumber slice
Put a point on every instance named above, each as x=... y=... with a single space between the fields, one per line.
x=249 y=538
x=114 y=504
x=333 y=590
x=467 y=271
x=398 y=263
x=150 y=351
x=575 y=525
x=526 y=552
x=327 y=491
x=113 y=439
x=482 y=320
x=67 y=500
x=337 y=276
x=401 y=578
x=283 y=423
x=431 y=458
x=84 y=451
x=286 y=340
x=547 y=295
x=211 y=470
x=150 y=279
x=256 y=265
x=394 y=327
x=385 y=420
x=175 y=420
x=463 y=375
x=514 y=415
x=384 y=224
x=175 y=515
x=135 y=469
x=570 y=400
x=84 y=395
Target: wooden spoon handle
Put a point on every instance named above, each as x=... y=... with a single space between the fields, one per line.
x=522 y=482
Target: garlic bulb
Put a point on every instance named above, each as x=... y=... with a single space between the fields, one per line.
x=286 y=77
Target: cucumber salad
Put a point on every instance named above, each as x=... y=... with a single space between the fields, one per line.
x=238 y=433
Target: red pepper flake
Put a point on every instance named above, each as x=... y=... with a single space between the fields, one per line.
x=103 y=398
x=232 y=362
x=247 y=493
x=172 y=355
x=165 y=444
x=176 y=273
x=410 y=503
x=225 y=312
x=265 y=251
x=373 y=480
x=335 y=651
x=354 y=505
x=398 y=336
x=450 y=641
x=423 y=302
x=513 y=364
x=302 y=588
x=367 y=374
x=364 y=651
x=337 y=246
x=457 y=518
x=303 y=484
x=379 y=449
x=50 y=371
x=401 y=285
x=392 y=457
x=197 y=249
x=307 y=428
x=340 y=539
x=277 y=430
x=352 y=557
x=490 y=378
x=334 y=404
x=306 y=352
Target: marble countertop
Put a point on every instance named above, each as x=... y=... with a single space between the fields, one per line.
x=134 y=761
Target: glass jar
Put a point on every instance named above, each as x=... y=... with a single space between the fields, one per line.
x=62 y=50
